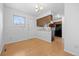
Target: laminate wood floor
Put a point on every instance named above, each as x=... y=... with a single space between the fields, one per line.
x=35 y=47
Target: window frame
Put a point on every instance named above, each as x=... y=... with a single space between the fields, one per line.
x=21 y=17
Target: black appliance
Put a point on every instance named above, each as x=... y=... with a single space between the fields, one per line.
x=58 y=30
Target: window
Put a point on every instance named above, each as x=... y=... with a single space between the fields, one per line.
x=18 y=20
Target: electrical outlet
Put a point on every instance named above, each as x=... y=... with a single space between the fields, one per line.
x=5 y=49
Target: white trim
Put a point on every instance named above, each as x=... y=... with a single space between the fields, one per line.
x=70 y=52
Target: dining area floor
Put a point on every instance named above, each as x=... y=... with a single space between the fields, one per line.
x=35 y=47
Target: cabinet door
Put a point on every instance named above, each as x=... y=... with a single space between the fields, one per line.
x=45 y=20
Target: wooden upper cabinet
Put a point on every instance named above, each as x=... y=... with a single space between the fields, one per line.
x=44 y=20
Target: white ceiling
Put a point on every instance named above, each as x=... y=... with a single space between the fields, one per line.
x=29 y=8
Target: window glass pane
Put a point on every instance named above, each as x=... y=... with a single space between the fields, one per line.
x=18 y=20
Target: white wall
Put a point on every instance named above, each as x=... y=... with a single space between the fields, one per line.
x=14 y=33
x=43 y=34
x=1 y=26
x=32 y=28
x=71 y=28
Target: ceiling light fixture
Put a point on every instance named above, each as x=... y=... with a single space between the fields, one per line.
x=38 y=8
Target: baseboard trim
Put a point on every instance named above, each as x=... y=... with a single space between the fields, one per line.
x=25 y=39
x=70 y=52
